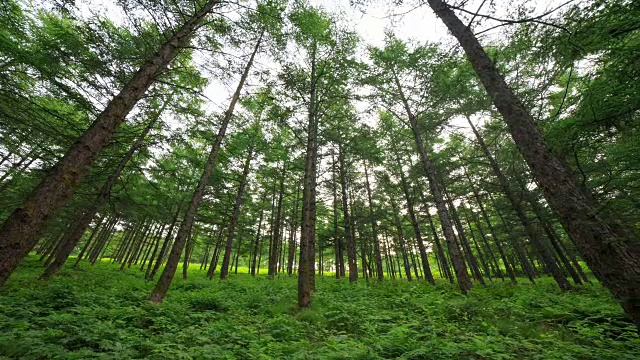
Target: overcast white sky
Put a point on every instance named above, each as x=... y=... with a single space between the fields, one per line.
x=407 y=22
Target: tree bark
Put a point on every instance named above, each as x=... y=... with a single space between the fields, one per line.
x=165 y=245
x=293 y=233
x=609 y=250
x=306 y=269
x=257 y=242
x=374 y=226
x=277 y=241
x=339 y=257
x=216 y=254
x=459 y=266
x=21 y=230
x=74 y=235
x=485 y=216
x=426 y=268
x=533 y=231
x=188 y=250
x=401 y=242
x=473 y=263
x=352 y=257
x=160 y=291
x=224 y=269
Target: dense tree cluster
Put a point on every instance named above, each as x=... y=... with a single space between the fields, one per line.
x=506 y=161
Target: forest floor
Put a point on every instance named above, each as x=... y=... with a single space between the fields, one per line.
x=98 y=312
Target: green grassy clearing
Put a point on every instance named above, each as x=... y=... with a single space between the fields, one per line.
x=98 y=312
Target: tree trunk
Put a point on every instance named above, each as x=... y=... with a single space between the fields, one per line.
x=495 y=266
x=481 y=256
x=533 y=231
x=21 y=230
x=74 y=235
x=277 y=242
x=257 y=242
x=426 y=268
x=187 y=252
x=441 y=254
x=165 y=245
x=464 y=283
x=339 y=258
x=352 y=257
x=473 y=263
x=224 y=269
x=485 y=216
x=306 y=269
x=155 y=251
x=401 y=242
x=293 y=233
x=552 y=237
x=95 y=231
x=160 y=291
x=374 y=225
x=608 y=249
x=216 y=254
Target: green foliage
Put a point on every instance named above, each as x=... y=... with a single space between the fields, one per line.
x=103 y=313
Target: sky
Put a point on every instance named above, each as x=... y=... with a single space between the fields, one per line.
x=407 y=22
x=417 y=25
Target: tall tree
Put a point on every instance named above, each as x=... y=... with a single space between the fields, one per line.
x=602 y=242
x=160 y=291
x=21 y=230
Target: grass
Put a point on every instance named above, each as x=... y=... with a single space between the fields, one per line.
x=98 y=312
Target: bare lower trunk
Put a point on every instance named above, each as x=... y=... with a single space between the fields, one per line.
x=277 y=241
x=256 y=243
x=74 y=235
x=306 y=268
x=336 y=237
x=374 y=227
x=608 y=249
x=485 y=216
x=533 y=230
x=293 y=233
x=351 y=241
x=224 y=269
x=21 y=230
x=459 y=266
x=426 y=269
x=165 y=245
x=216 y=254
x=160 y=291
x=401 y=242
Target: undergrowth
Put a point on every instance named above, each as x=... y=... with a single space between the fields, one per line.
x=98 y=312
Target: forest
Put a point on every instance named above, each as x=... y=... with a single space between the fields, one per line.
x=309 y=179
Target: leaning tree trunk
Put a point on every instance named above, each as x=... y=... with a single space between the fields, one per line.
x=21 y=230
x=160 y=291
x=439 y=247
x=224 y=269
x=473 y=263
x=165 y=245
x=485 y=216
x=77 y=229
x=426 y=268
x=608 y=249
x=533 y=231
x=459 y=266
